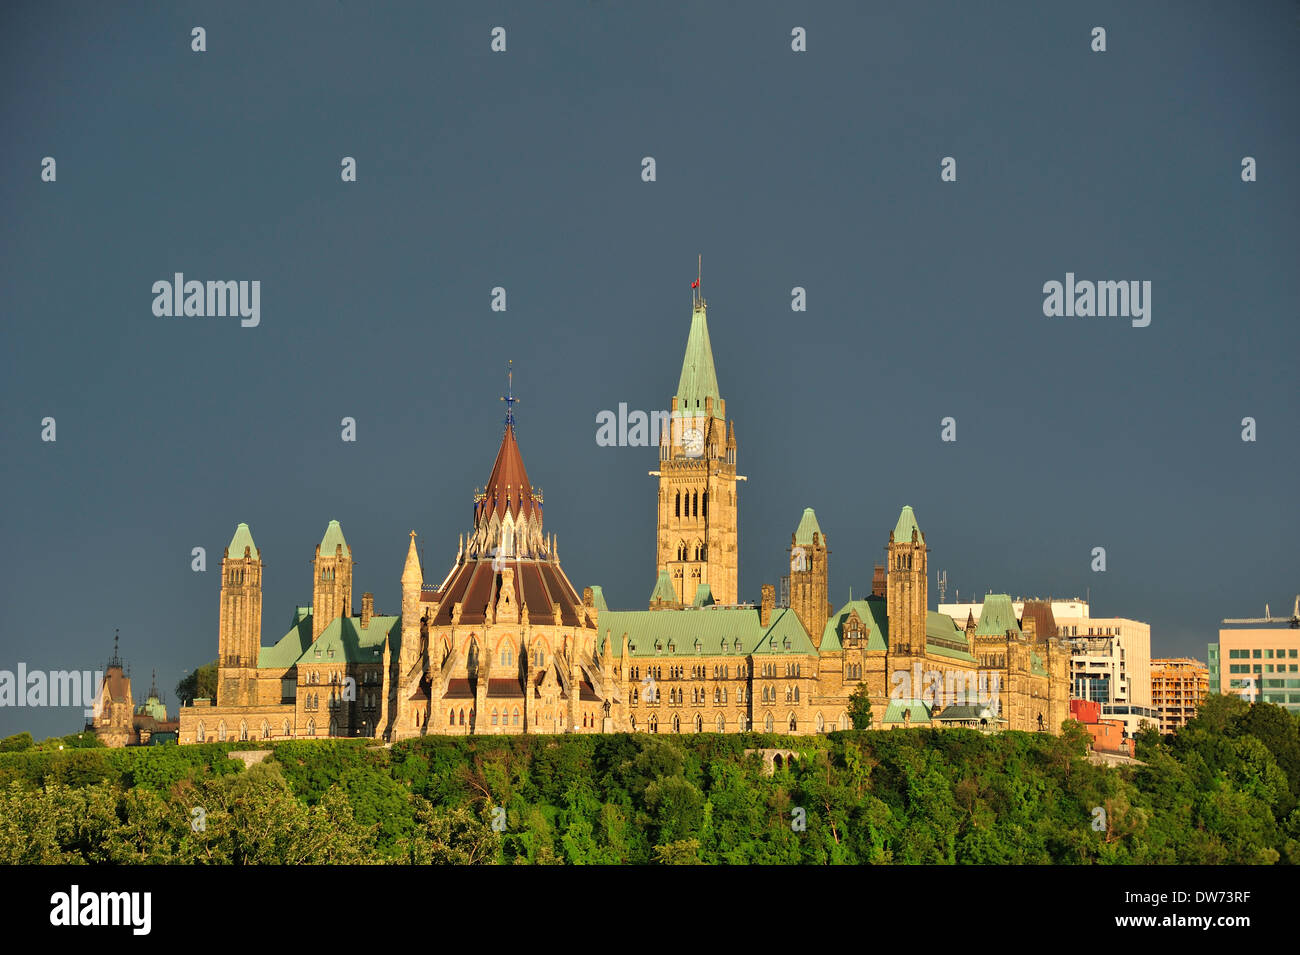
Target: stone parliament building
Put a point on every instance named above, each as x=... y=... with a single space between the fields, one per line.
x=505 y=644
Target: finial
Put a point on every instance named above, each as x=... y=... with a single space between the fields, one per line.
x=412 y=535
x=509 y=397
x=695 y=286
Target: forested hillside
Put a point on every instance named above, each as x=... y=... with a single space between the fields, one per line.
x=1224 y=790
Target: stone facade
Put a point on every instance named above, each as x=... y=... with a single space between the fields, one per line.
x=504 y=643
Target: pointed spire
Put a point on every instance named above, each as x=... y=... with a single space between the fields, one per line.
x=117 y=659
x=411 y=573
x=241 y=542
x=808 y=526
x=334 y=539
x=508 y=489
x=698 y=380
x=905 y=526
x=731 y=436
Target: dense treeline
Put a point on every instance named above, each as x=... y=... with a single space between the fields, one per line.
x=1223 y=790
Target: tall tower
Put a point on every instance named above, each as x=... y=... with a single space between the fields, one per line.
x=332 y=591
x=906 y=583
x=810 y=576
x=240 y=636
x=697 y=529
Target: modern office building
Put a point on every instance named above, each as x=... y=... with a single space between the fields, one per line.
x=1258 y=663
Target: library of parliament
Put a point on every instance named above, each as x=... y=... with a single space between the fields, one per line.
x=504 y=643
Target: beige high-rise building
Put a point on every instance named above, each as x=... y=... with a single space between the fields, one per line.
x=1178 y=687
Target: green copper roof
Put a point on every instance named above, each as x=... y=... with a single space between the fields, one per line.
x=807 y=527
x=873 y=616
x=997 y=617
x=785 y=635
x=332 y=539
x=941 y=632
x=288 y=648
x=598 y=598
x=152 y=707
x=703 y=596
x=243 y=538
x=920 y=712
x=349 y=643
x=906 y=524
x=711 y=631
x=664 y=589
x=698 y=380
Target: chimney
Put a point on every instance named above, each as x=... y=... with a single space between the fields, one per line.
x=769 y=601
x=367 y=609
x=878 y=581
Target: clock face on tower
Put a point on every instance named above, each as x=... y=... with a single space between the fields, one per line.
x=693 y=442
x=798 y=560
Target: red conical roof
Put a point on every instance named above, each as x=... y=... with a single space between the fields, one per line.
x=508 y=488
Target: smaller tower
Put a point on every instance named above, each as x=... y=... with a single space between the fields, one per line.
x=906 y=584
x=810 y=576
x=332 y=586
x=240 y=635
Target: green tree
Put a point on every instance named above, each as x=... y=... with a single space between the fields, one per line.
x=19 y=741
x=450 y=837
x=198 y=684
x=860 y=708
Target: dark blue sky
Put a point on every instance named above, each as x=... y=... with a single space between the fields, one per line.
x=522 y=170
